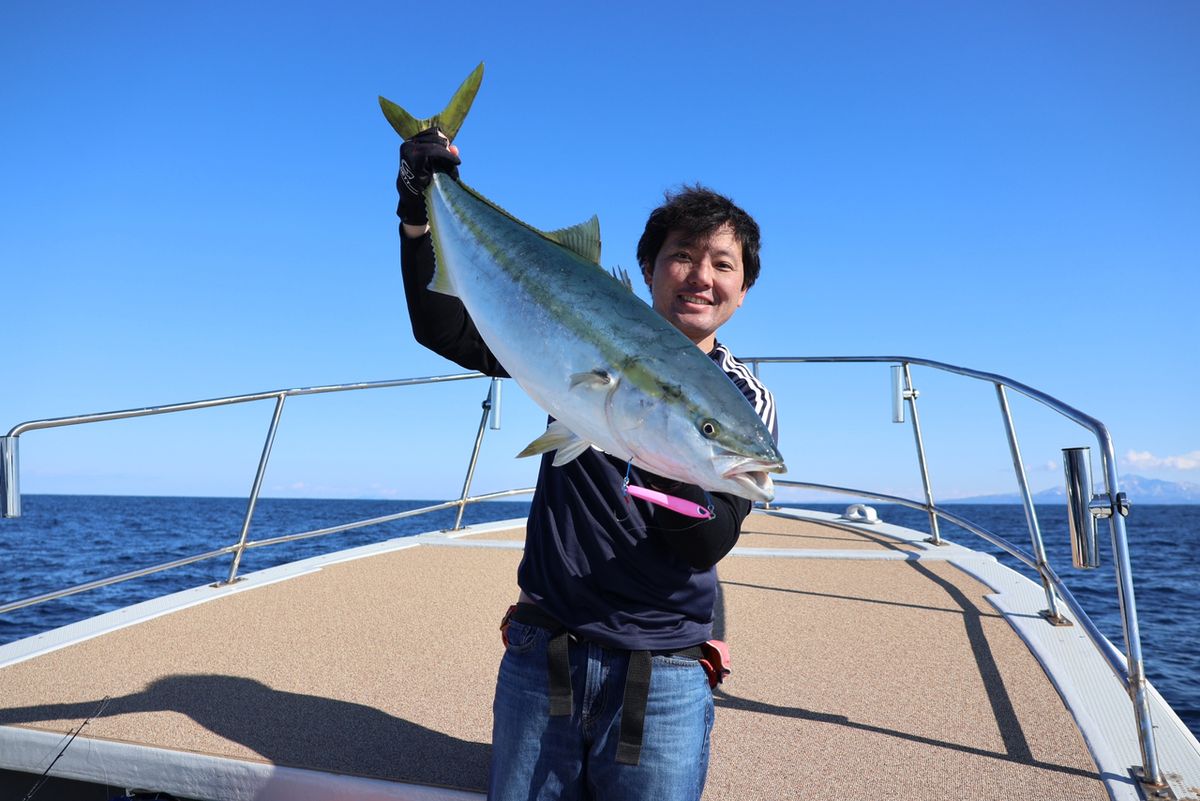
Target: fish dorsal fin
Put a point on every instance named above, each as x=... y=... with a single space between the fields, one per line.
x=583 y=238
x=449 y=120
x=622 y=276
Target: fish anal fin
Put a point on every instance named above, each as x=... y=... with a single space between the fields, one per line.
x=441 y=281
x=442 y=284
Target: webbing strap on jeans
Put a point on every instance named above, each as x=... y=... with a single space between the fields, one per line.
x=633 y=707
x=558 y=662
x=558 y=658
x=558 y=668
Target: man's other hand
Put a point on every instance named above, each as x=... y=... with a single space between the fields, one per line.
x=420 y=157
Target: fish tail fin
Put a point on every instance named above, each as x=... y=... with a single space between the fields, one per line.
x=449 y=120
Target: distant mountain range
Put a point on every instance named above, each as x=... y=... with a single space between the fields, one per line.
x=1137 y=488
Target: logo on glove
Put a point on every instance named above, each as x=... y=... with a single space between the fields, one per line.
x=407 y=175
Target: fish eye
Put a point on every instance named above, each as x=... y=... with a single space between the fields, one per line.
x=708 y=428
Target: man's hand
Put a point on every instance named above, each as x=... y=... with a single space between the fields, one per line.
x=420 y=157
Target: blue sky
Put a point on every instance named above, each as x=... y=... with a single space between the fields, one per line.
x=198 y=201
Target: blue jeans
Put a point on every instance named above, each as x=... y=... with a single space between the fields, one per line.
x=535 y=756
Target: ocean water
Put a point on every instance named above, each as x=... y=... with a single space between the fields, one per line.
x=62 y=540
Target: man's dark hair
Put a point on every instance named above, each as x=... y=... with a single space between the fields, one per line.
x=698 y=211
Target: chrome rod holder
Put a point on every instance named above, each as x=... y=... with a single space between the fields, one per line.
x=1081 y=508
x=10 y=478
x=899 y=394
x=494 y=394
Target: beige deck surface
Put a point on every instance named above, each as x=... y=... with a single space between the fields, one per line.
x=853 y=679
x=774 y=531
x=883 y=680
x=771 y=531
x=507 y=535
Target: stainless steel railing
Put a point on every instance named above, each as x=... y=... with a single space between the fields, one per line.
x=1129 y=668
x=10 y=491
x=230 y=549
x=10 y=498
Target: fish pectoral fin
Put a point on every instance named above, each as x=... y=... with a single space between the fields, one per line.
x=593 y=379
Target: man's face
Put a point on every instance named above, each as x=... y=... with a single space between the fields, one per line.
x=697 y=284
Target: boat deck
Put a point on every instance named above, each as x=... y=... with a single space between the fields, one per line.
x=867 y=664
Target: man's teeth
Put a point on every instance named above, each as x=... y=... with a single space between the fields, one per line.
x=696 y=299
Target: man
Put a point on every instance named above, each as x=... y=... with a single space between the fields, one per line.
x=600 y=693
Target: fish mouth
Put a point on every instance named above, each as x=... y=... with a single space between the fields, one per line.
x=753 y=475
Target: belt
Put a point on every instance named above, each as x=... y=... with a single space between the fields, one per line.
x=558 y=667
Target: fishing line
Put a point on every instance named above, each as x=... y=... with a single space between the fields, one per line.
x=41 y=780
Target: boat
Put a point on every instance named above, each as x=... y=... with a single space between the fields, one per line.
x=870 y=660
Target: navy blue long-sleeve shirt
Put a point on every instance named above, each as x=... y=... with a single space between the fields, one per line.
x=610 y=568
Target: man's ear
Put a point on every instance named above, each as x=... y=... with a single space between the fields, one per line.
x=648 y=274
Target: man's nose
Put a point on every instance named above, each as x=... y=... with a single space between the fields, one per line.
x=701 y=272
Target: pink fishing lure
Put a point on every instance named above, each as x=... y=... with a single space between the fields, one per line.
x=684 y=507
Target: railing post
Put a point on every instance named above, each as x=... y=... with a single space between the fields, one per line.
x=10 y=477
x=1051 y=612
x=493 y=392
x=254 y=490
x=1137 y=688
x=911 y=395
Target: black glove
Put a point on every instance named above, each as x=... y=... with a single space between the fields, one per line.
x=420 y=157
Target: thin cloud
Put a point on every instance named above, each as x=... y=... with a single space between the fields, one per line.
x=1146 y=459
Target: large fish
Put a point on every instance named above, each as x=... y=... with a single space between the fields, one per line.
x=608 y=368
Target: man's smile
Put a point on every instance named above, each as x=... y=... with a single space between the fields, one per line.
x=697 y=282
